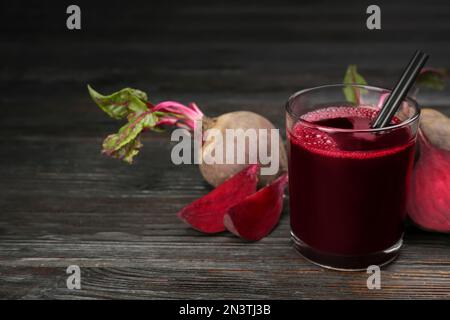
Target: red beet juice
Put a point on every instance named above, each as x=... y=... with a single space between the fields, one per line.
x=347 y=187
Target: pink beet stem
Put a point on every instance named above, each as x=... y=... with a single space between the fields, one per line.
x=181 y=115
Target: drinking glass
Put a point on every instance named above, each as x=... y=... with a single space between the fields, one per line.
x=348 y=186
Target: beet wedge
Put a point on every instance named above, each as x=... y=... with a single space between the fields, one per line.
x=255 y=217
x=206 y=214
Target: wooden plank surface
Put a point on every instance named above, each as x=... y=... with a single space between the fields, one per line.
x=63 y=203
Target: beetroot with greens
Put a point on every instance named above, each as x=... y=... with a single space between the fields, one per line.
x=141 y=115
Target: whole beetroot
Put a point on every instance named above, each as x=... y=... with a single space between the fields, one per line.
x=429 y=197
x=216 y=174
x=142 y=115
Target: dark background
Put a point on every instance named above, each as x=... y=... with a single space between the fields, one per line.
x=62 y=202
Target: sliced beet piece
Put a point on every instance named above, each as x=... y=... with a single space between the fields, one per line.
x=206 y=214
x=255 y=217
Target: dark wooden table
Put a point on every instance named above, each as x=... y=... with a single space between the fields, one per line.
x=62 y=203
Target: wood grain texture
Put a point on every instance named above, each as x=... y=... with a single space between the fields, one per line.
x=63 y=203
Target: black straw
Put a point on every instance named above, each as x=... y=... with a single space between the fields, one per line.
x=400 y=90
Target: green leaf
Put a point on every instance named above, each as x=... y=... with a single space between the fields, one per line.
x=122 y=103
x=125 y=144
x=353 y=77
x=432 y=78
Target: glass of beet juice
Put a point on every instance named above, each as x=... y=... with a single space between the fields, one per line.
x=348 y=183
